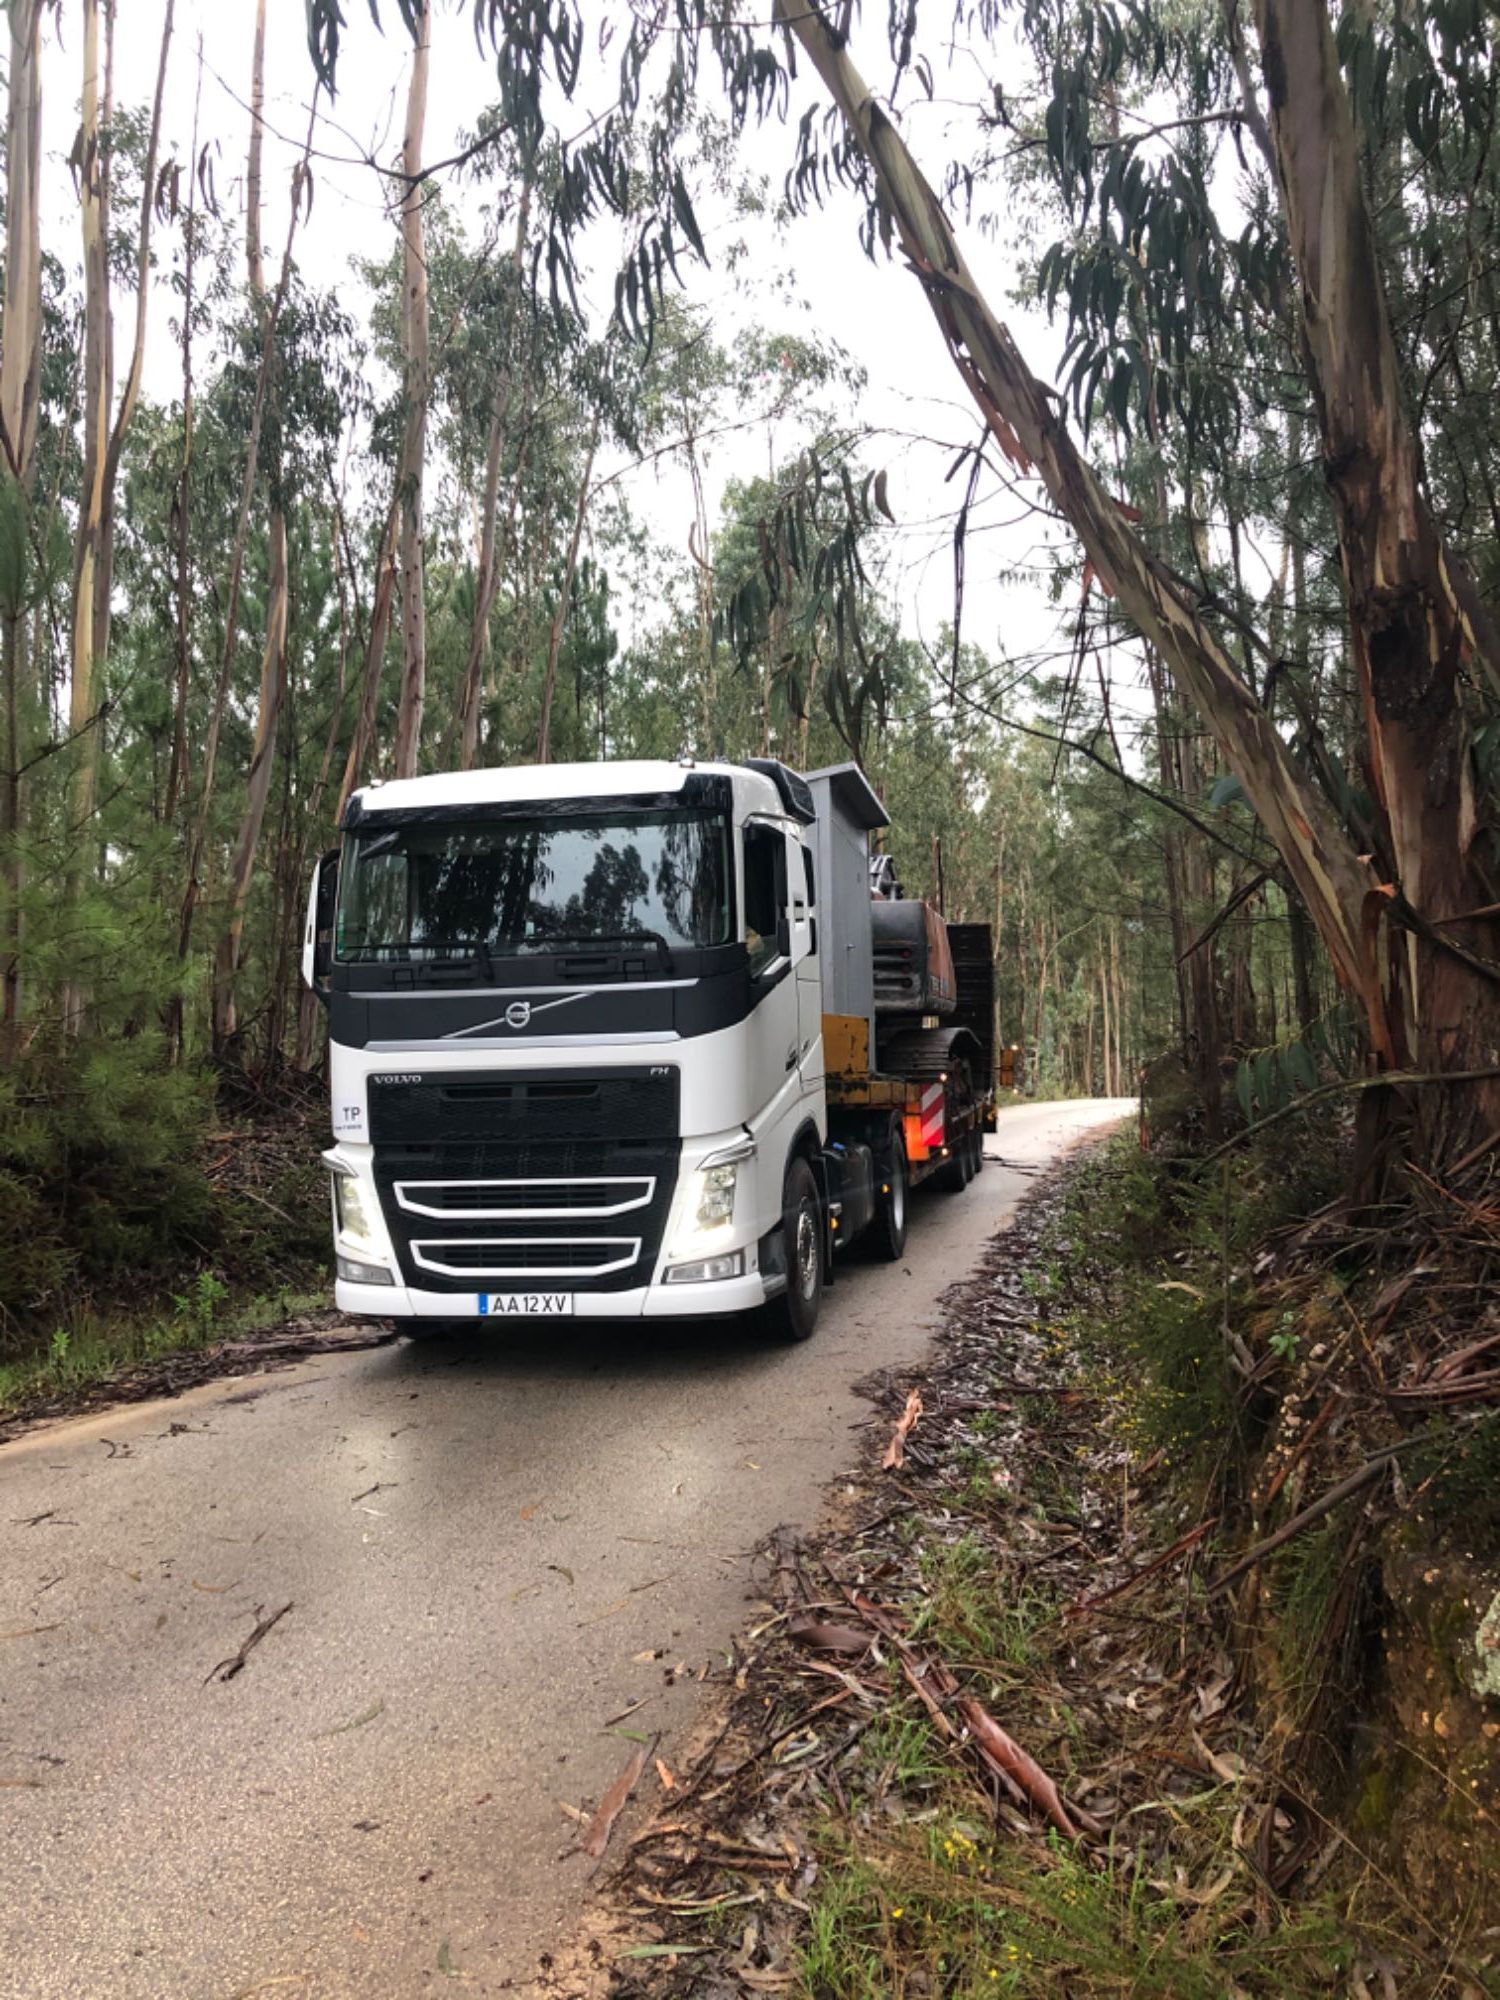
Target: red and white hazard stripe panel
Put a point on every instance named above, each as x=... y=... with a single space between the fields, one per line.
x=926 y=1122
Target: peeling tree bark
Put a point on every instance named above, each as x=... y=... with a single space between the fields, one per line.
x=1027 y=421
x=1415 y=618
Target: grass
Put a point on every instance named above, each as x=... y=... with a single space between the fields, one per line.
x=946 y=1909
x=970 y=1615
x=91 y=1349
x=917 y=1895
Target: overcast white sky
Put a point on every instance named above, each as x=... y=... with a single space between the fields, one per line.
x=876 y=311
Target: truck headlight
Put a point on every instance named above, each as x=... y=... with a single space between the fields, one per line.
x=718 y=1177
x=351 y=1217
x=716 y=1195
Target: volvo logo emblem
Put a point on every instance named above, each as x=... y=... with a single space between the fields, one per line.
x=519 y=1015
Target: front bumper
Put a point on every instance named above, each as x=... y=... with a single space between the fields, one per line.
x=714 y=1300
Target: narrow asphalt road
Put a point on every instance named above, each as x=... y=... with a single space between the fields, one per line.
x=490 y=1550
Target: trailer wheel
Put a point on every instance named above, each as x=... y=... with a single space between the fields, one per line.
x=795 y=1314
x=976 y=1142
x=888 y=1231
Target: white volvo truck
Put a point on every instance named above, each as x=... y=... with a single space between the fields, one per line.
x=628 y=1040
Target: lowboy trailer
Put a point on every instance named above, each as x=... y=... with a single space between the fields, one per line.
x=627 y=1040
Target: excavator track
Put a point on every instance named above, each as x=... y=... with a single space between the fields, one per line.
x=929 y=1054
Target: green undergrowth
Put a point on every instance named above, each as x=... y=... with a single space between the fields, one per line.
x=1141 y=1285
x=146 y=1208
x=1147 y=1275
x=950 y=1909
x=92 y=1348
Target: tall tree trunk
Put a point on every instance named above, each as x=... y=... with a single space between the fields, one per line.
x=415 y=390
x=1414 y=612
x=20 y=402
x=564 y=602
x=21 y=331
x=177 y=769
x=93 y=565
x=1427 y=998
x=198 y=842
x=262 y=764
x=273 y=681
x=1024 y=418
x=488 y=576
x=254 y=252
x=380 y=627
x=699 y=546
x=83 y=687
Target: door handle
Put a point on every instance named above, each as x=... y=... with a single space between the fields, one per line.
x=791 y=1058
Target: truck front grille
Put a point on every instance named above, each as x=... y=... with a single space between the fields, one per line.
x=484 y=1177
x=527 y=1256
x=560 y=1200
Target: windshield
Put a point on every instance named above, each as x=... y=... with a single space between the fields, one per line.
x=526 y=885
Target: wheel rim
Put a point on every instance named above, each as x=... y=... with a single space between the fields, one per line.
x=805 y=1251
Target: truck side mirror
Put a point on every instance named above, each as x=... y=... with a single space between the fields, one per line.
x=317 y=938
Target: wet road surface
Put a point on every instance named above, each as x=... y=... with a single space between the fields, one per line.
x=492 y=1548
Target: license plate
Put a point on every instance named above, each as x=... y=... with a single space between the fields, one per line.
x=525 y=1305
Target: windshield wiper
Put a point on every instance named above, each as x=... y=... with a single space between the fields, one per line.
x=478 y=959
x=611 y=937
x=605 y=939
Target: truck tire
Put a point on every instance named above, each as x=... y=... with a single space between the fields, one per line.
x=953 y=1176
x=887 y=1236
x=795 y=1314
x=976 y=1140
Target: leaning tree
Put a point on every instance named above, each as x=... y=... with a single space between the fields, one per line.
x=1401 y=886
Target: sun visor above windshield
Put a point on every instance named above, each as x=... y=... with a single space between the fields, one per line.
x=701 y=791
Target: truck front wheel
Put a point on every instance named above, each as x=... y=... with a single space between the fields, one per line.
x=794 y=1315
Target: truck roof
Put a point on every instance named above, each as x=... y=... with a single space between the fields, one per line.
x=518 y=783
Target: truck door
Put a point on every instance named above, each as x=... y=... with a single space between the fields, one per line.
x=804 y=941
x=774 y=1042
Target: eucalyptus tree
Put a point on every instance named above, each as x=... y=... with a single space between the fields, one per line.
x=415 y=392
x=20 y=405
x=1398 y=900
x=104 y=426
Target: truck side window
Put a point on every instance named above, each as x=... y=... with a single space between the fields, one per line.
x=765 y=892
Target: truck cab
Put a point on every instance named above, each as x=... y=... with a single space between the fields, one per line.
x=575 y=1038
x=576 y=1044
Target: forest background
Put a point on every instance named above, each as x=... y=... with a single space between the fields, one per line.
x=539 y=449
